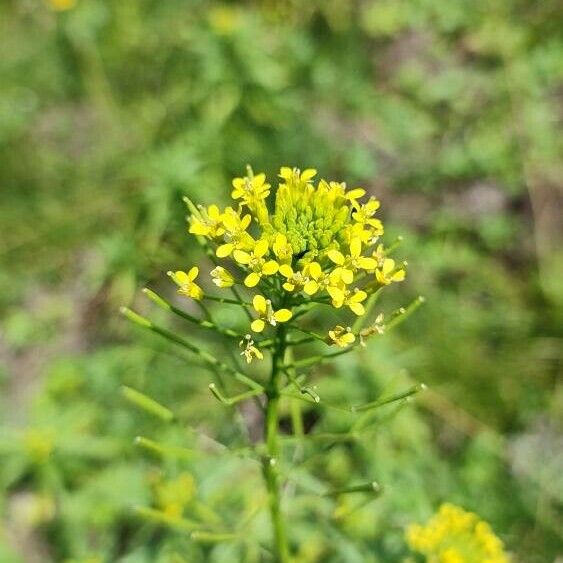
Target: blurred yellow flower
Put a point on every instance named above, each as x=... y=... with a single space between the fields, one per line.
x=62 y=5
x=387 y=273
x=249 y=350
x=222 y=277
x=341 y=336
x=456 y=536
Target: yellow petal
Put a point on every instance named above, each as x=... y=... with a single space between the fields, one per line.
x=367 y=263
x=270 y=268
x=308 y=174
x=259 y=179
x=314 y=270
x=357 y=308
x=242 y=257
x=348 y=338
x=259 y=304
x=283 y=315
x=388 y=265
x=286 y=172
x=224 y=250
x=195 y=292
x=311 y=287
x=257 y=325
x=358 y=296
x=380 y=277
x=347 y=276
x=336 y=256
x=398 y=276
x=252 y=280
x=199 y=228
x=288 y=286
x=261 y=248
x=356 y=193
x=286 y=270
x=181 y=278
x=230 y=221
x=192 y=274
x=336 y=293
x=355 y=247
x=213 y=212
x=245 y=222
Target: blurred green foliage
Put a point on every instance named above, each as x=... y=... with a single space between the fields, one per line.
x=110 y=111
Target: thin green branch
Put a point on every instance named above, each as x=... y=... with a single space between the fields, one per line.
x=391 y=399
x=207 y=358
x=147 y=404
x=229 y=401
x=167 y=306
x=404 y=313
x=161 y=450
x=372 y=487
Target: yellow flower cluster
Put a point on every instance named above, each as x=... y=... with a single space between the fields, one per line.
x=299 y=242
x=456 y=536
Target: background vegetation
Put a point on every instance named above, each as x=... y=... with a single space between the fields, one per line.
x=449 y=111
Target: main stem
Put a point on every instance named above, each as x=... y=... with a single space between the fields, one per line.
x=271 y=461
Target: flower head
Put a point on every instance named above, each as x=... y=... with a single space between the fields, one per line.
x=266 y=314
x=308 y=241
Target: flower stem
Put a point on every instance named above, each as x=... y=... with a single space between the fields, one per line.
x=271 y=461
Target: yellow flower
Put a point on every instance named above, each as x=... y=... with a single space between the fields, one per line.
x=364 y=214
x=208 y=224
x=186 y=283
x=456 y=536
x=266 y=314
x=387 y=274
x=341 y=336
x=358 y=230
x=236 y=236
x=379 y=255
x=294 y=175
x=352 y=299
x=347 y=265
x=249 y=350
x=316 y=278
x=251 y=190
x=222 y=277
x=338 y=189
x=256 y=262
x=295 y=280
x=282 y=249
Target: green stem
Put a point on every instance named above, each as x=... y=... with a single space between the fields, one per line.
x=271 y=461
